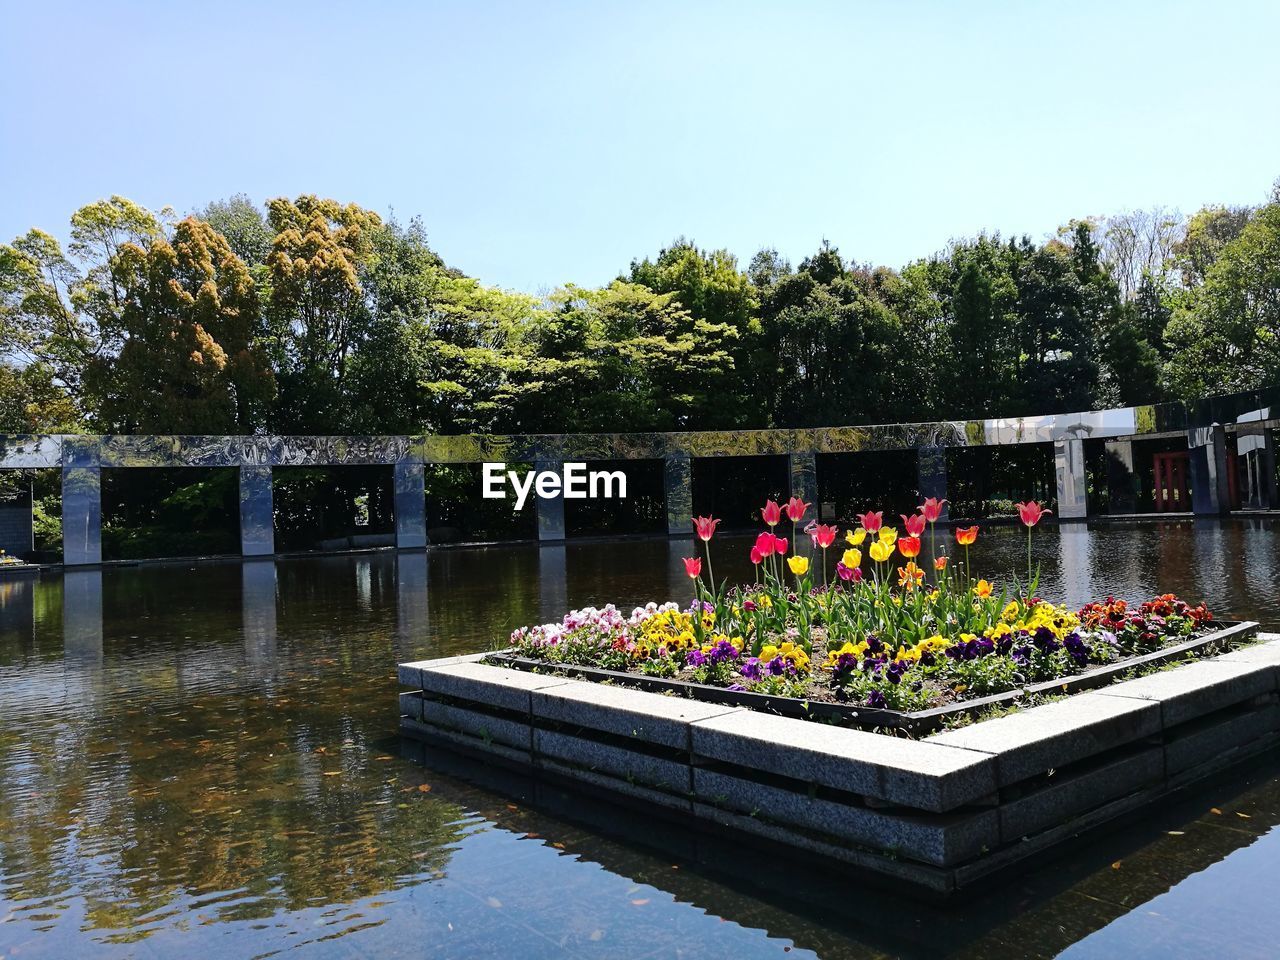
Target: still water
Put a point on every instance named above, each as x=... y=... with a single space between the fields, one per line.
x=202 y=760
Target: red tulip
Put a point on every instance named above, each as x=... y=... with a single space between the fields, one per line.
x=914 y=523
x=693 y=567
x=772 y=513
x=1031 y=512
x=705 y=526
x=966 y=535
x=756 y=556
x=796 y=508
x=764 y=544
x=781 y=545
x=824 y=535
x=932 y=509
x=940 y=563
x=909 y=546
x=871 y=522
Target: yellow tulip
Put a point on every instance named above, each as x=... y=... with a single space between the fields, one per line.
x=982 y=589
x=852 y=558
x=880 y=551
x=888 y=535
x=855 y=537
x=799 y=565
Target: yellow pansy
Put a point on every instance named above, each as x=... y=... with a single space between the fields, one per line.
x=799 y=565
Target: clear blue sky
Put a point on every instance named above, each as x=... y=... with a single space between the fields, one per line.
x=549 y=142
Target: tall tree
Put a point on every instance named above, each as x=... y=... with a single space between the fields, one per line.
x=188 y=325
x=242 y=224
x=316 y=307
x=1225 y=332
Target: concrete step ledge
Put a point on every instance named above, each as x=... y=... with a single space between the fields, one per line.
x=940 y=813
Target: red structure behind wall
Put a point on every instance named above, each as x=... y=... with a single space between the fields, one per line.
x=1171 y=472
x=1172 y=492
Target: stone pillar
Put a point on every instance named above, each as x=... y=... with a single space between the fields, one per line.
x=1269 y=478
x=550 y=509
x=1122 y=482
x=679 y=486
x=1255 y=450
x=1210 y=493
x=81 y=502
x=931 y=475
x=257 y=512
x=1073 y=500
x=804 y=477
x=411 y=505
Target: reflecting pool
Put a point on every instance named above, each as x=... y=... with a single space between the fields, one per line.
x=201 y=759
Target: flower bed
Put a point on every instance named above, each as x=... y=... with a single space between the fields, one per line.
x=880 y=644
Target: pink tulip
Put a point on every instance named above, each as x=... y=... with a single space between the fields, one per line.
x=932 y=509
x=764 y=544
x=772 y=513
x=693 y=567
x=869 y=521
x=824 y=535
x=705 y=527
x=1031 y=512
x=914 y=523
x=796 y=508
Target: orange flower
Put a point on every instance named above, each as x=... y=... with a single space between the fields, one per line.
x=910 y=576
x=966 y=535
x=909 y=547
x=940 y=563
x=982 y=588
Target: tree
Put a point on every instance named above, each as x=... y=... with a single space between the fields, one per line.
x=316 y=308
x=242 y=225
x=59 y=312
x=1225 y=332
x=834 y=345
x=1206 y=234
x=188 y=325
x=617 y=358
x=720 y=310
x=437 y=355
x=1140 y=244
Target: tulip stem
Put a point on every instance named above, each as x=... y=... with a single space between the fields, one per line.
x=1028 y=559
x=710 y=575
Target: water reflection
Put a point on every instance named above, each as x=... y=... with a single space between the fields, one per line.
x=203 y=756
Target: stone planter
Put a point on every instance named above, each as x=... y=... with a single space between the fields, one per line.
x=937 y=814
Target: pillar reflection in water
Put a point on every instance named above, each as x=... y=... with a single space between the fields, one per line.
x=82 y=616
x=412 y=610
x=553 y=582
x=258 y=611
x=17 y=611
x=1075 y=564
x=679 y=586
